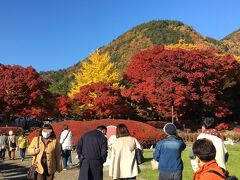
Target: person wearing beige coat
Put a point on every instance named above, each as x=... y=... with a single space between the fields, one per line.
x=123 y=162
x=46 y=149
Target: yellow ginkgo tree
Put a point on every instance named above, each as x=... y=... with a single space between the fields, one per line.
x=97 y=68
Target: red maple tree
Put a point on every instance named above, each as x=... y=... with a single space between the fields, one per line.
x=64 y=105
x=195 y=81
x=101 y=100
x=24 y=93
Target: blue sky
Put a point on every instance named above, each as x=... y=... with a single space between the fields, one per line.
x=56 y=34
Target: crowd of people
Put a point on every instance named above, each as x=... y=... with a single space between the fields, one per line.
x=208 y=156
x=9 y=142
x=52 y=154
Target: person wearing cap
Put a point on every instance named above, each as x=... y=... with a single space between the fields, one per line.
x=47 y=153
x=209 y=132
x=11 y=145
x=168 y=154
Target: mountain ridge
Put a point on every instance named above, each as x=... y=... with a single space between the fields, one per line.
x=142 y=37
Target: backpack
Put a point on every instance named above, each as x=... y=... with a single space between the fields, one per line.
x=226 y=177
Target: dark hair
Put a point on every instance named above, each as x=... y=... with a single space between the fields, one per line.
x=204 y=150
x=208 y=122
x=48 y=126
x=122 y=131
x=65 y=127
x=102 y=127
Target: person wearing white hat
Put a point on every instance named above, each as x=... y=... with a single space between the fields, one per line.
x=11 y=145
x=168 y=154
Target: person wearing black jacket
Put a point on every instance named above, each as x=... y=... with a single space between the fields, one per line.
x=92 y=153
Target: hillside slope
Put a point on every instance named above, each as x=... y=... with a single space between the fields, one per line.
x=144 y=36
x=232 y=41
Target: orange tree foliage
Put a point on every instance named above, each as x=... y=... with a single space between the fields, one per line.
x=24 y=93
x=198 y=81
x=100 y=100
x=146 y=134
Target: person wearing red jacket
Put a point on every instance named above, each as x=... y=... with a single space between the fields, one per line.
x=205 y=153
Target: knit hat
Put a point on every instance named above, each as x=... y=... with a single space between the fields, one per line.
x=170 y=129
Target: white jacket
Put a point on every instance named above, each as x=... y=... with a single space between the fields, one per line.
x=220 y=148
x=123 y=161
x=67 y=143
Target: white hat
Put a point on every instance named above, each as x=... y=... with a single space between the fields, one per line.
x=10 y=133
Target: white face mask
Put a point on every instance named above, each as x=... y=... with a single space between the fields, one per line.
x=46 y=134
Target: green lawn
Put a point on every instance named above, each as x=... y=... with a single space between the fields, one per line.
x=232 y=164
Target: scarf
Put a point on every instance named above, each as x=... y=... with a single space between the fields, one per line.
x=213 y=132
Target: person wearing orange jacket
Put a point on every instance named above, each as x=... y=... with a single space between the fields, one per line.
x=205 y=153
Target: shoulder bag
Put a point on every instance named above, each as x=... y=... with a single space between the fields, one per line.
x=139 y=156
x=32 y=173
x=64 y=140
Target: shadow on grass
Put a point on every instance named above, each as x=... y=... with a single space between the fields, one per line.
x=148 y=159
x=13 y=171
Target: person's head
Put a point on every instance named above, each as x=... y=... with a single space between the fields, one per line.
x=22 y=133
x=122 y=131
x=47 y=132
x=208 y=123
x=103 y=129
x=170 y=129
x=10 y=133
x=65 y=127
x=204 y=151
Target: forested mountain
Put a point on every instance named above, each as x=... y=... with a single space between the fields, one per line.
x=142 y=37
x=232 y=41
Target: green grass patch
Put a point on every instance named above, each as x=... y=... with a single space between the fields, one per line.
x=232 y=164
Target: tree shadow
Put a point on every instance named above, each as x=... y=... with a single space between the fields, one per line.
x=13 y=171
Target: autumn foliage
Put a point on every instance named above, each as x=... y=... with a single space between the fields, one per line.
x=100 y=100
x=224 y=126
x=64 y=105
x=24 y=93
x=197 y=81
x=193 y=79
x=16 y=130
x=146 y=134
x=98 y=68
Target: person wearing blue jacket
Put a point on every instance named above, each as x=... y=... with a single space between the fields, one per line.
x=168 y=154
